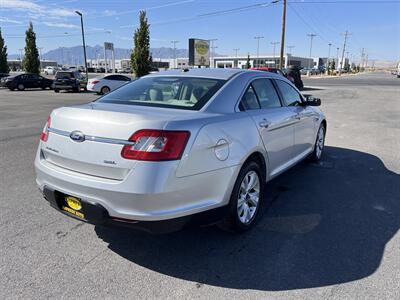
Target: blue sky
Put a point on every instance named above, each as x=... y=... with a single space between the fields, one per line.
x=374 y=26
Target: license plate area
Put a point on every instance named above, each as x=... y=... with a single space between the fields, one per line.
x=72 y=205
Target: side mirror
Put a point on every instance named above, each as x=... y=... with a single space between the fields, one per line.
x=312 y=101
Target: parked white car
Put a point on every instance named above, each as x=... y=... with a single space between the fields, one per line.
x=108 y=83
x=177 y=147
x=50 y=70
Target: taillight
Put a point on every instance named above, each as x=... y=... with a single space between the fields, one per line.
x=156 y=145
x=45 y=133
x=94 y=82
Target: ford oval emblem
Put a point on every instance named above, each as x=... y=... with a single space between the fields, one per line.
x=77 y=136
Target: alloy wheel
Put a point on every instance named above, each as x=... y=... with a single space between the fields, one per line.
x=248 y=198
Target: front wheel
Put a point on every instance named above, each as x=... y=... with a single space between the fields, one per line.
x=246 y=199
x=319 y=144
x=20 y=87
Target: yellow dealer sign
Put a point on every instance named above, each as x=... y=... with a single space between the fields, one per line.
x=199 y=52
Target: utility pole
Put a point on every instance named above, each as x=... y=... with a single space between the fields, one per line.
x=274 y=46
x=346 y=34
x=366 y=61
x=174 y=43
x=327 y=60
x=83 y=42
x=282 y=35
x=20 y=54
x=311 y=35
x=290 y=52
x=211 y=54
x=258 y=47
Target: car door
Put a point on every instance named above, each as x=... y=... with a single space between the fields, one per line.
x=304 y=132
x=273 y=120
x=36 y=81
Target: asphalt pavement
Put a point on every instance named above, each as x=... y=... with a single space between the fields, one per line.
x=331 y=232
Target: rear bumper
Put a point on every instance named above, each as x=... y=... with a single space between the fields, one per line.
x=97 y=215
x=148 y=193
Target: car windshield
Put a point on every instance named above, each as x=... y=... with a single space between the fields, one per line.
x=64 y=75
x=159 y=91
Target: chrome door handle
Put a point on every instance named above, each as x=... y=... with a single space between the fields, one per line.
x=264 y=123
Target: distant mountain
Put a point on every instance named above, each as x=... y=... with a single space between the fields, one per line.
x=74 y=55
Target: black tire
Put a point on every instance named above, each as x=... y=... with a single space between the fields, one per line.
x=232 y=220
x=105 y=90
x=20 y=87
x=56 y=90
x=318 y=150
x=77 y=90
x=12 y=89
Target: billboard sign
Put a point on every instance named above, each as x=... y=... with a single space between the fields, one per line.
x=108 y=46
x=199 y=52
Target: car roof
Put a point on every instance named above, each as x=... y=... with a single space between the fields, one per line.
x=219 y=73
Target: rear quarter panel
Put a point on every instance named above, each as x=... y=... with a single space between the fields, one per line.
x=233 y=137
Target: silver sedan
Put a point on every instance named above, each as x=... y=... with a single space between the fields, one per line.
x=176 y=148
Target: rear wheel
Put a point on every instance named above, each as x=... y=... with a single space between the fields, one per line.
x=105 y=90
x=319 y=144
x=20 y=87
x=56 y=90
x=246 y=199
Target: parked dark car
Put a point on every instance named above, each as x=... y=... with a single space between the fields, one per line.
x=292 y=73
x=70 y=81
x=2 y=75
x=27 y=81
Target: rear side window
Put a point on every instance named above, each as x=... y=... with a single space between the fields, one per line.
x=266 y=93
x=249 y=100
x=64 y=75
x=165 y=91
x=289 y=94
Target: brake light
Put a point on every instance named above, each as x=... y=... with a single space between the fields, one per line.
x=94 y=82
x=45 y=133
x=156 y=145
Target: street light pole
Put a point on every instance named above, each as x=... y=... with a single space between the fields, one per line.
x=327 y=59
x=212 y=52
x=258 y=47
x=174 y=43
x=274 y=46
x=236 y=55
x=40 y=57
x=290 y=52
x=337 y=58
x=83 y=41
x=311 y=35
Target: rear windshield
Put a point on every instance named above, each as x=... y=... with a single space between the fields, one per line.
x=64 y=75
x=173 y=92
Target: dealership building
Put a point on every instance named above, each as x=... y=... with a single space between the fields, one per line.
x=264 y=61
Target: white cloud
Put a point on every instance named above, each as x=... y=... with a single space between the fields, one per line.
x=7 y=20
x=34 y=8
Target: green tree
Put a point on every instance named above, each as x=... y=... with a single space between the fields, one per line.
x=333 y=65
x=140 y=57
x=248 y=65
x=31 y=62
x=3 y=56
